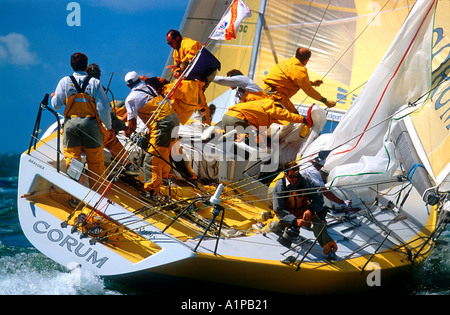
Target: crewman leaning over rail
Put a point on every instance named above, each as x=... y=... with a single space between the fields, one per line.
x=184 y=50
x=260 y=114
x=86 y=108
x=286 y=78
x=146 y=102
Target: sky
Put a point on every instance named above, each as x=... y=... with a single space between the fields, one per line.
x=37 y=39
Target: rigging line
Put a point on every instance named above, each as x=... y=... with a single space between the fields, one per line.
x=145 y=217
x=91 y=189
x=313 y=190
x=82 y=201
x=317 y=29
x=304 y=21
x=119 y=159
x=121 y=190
x=357 y=37
x=188 y=226
x=88 y=135
x=349 y=186
x=345 y=96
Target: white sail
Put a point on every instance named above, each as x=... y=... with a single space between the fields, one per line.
x=403 y=76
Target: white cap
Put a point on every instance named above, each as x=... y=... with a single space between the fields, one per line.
x=131 y=77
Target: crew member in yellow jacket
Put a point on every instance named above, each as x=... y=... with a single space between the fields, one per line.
x=184 y=50
x=260 y=113
x=286 y=78
x=146 y=102
x=184 y=98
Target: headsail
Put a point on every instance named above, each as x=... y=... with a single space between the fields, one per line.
x=405 y=103
x=403 y=76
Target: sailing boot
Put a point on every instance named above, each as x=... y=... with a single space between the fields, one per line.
x=290 y=235
x=150 y=196
x=330 y=249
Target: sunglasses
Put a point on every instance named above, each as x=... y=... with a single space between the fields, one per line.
x=292 y=174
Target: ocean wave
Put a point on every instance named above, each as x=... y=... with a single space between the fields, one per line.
x=28 y=272
x=433 y=276
x=8 y=185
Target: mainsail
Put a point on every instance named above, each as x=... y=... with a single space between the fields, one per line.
x=347 y=38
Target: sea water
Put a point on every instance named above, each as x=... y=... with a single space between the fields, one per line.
x=25 y=271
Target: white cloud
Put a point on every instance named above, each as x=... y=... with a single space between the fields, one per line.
x=14 y=49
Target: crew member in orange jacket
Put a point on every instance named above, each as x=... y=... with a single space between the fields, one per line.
x=260 y=113
x=286 y=78
x=185 y=50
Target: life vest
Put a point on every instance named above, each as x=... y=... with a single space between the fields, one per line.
x=80 y=104
x=297 y=202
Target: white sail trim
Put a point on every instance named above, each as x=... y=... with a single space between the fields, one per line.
x=418 y=146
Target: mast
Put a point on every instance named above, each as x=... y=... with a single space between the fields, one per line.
x=257 y=40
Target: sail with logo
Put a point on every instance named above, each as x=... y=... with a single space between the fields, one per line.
x=432 y=121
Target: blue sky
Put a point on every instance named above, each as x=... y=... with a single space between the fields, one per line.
x=36 y=43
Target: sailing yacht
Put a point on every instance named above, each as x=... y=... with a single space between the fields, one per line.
x=387 y=65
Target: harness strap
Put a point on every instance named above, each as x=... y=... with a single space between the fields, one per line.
x=81 y=89
x=149 y=92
